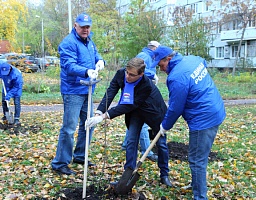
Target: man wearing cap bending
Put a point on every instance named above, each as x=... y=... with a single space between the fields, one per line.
x=79 y=60
x=192 y=94
x=12 y=83
x=150 y=71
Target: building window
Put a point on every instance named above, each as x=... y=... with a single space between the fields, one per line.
x=252 y=22
x=234 y=51
x=219 y=52
x=194 y=8
x=206 y=6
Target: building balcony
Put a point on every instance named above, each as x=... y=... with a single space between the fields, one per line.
x=235 y=35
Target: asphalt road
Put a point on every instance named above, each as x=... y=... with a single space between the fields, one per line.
x=59 y=107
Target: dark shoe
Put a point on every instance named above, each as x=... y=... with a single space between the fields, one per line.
x=16 y=122
x=113 y=184
x=65 y=170
x=165 y=180
x=81 y=162
x=90 y=164
x=4 y=118
x=153 y=158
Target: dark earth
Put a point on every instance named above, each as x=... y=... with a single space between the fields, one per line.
x=177 y=151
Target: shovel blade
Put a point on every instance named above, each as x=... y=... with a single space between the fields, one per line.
x=127 y=181
x=9 y=117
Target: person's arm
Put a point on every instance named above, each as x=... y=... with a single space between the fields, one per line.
x=177 y=99
x=17 y=86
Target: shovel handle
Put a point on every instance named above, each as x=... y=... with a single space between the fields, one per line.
x=150 y=147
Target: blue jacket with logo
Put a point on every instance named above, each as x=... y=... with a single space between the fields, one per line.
x=76 y=57
x=192 y=94
x=147 y=55
x=13 y=83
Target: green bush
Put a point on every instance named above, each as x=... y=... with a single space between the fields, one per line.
x=53 y=71
x=245 y=77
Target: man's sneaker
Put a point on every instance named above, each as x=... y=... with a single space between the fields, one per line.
x=4 y=118
x=153 y=158
x=17 y=122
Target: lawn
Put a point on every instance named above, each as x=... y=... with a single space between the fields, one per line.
x=26 y=151
x=25 y=157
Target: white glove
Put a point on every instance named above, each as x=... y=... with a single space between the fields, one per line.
x=93 y=74
x=93 y=121
x=162 y=130
x=156 y=79
x=100 y=65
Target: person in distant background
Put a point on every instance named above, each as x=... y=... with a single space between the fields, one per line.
x=79 y=60
x=192 y=94
x=150 y=71
x=12 y=81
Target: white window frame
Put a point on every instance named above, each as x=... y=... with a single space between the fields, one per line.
x=234 y=50
x=219 y=53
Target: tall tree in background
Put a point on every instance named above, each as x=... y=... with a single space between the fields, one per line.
x=11 y=12
x=141 y=26
x=106 y=24
x=189 y=34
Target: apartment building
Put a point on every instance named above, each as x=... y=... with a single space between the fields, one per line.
x=227 y=31
x=226 y=34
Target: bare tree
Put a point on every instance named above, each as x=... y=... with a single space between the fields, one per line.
x=242 y=12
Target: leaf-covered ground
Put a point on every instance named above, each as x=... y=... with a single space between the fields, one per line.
x=26 y=153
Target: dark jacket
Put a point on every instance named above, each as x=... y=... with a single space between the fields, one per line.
x=148 y=101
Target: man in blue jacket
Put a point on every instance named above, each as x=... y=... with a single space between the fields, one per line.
x=79 y=60
x=150 y=71
x=13 y=82
x=192 y=94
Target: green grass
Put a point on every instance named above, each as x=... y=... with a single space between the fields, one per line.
x=44 y=88
x=25 y=159
x=25 y=170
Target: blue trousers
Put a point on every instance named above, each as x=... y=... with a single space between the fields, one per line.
x=17 y=107
x=200 y=144
x=144 y=140
x=75 y=108
x=133 y=136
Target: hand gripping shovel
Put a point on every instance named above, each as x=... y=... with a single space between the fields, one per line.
x=129 y=176
x=89 y=84
x=9 y=115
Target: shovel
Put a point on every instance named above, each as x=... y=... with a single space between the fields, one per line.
x=9 y=115
x=89 y=84
x=129 y=176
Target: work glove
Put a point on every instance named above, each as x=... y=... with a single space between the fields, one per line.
x=7 y=98
x=93 y=74
x=162 y=130
x=93 y=121
x=100 y=65
x=155 y=79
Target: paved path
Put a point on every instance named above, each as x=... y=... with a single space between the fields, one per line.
x=59 y=107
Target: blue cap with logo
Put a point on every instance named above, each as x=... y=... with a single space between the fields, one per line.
x=5 y=69
x=160 y=53
x=84 y=20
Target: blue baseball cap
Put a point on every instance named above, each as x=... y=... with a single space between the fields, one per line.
x=5 y=69
x=160 y=53
x=84 y=20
